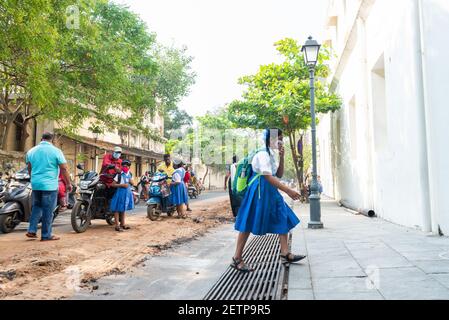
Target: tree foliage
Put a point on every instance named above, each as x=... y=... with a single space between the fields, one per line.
x=278 y=96
x=106 y=65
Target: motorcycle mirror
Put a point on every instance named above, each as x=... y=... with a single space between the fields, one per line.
x=80 y=166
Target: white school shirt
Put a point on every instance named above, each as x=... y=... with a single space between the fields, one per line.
x=177 y=175
x=264 y=163
x=233 y=169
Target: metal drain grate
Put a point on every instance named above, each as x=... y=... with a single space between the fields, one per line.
x=267 y=282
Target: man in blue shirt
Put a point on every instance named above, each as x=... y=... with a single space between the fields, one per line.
x=44 y=162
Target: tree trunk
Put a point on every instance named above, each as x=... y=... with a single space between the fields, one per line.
x=301 y=161
x=26 y=134
x=205 y=175
x=295 y=158
x=5 y=139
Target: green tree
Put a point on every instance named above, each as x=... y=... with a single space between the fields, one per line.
x=175 y=119
x=173 y=82
x=278 y=96
x=106 y=65
x=214 y=140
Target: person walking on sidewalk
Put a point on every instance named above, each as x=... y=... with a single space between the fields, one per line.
x=263 y=209
x=123 y=199
x=230 y=179
x=44 y=162
x=178 y=196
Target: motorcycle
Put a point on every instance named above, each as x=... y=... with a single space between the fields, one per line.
x=159 y=192
x=136 y=195
x=17 y=202
x=144 y=182
x=193 y=192
x=2 y=188
x=71 y=197
x=92 y=202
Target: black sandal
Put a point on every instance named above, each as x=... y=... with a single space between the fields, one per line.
x=118 y=229
x=291 y=258
x=125 y=227
x=243 y=269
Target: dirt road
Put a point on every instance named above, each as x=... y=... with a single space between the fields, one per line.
x=30 y=269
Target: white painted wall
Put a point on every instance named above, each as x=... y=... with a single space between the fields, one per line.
x=379 y=152
x=435 y=23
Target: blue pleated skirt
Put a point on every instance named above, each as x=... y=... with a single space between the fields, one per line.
x=264 y=211
x=178 y=194
x=122 y=200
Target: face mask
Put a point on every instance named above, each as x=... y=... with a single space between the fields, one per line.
x=125 y=169
x=116 y=155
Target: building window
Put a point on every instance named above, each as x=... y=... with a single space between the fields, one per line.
x=380 y=120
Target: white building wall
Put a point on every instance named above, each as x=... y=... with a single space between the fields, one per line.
x=373 y=152
x=435 y=23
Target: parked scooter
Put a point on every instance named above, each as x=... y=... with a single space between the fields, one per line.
x=136 y=195
x=193 y=191
x=2 y=189
x=159 y=191
x=17 y=202
x=71 y=197
x=92 y=202
x=143 y=186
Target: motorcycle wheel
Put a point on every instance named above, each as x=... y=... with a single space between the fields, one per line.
x=80 y=218
x=110 y=219
x=7 y=223
x=152 y=213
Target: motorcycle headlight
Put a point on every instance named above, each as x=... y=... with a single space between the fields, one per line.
x=84 y=185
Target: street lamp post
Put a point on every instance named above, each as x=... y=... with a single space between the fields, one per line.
x=310 y=50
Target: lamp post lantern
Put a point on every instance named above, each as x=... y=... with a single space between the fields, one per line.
x=311 y=50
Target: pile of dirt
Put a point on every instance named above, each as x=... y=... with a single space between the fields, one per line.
x=55 y=270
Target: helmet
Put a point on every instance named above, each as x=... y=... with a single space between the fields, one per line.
x=177 y=161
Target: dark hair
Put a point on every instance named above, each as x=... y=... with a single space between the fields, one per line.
x=234 y=159
x=126 y=163
x=268 y=136
x=166 y=156
x=47 y=136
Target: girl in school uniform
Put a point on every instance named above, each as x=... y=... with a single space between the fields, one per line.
x=179 y=196
x=263 y=209
x=122 y=200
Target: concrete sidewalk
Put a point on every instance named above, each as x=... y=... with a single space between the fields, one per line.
x=359 y=258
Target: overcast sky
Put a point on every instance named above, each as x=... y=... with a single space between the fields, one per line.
x=228 y=38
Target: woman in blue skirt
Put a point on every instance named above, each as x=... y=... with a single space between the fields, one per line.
x=263 y=209
x=179 y=196
x=123 y=198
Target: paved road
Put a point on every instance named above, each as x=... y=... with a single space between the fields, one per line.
x=186 y=272
x=63 y=225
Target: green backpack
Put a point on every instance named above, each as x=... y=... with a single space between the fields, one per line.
x=244 y=170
